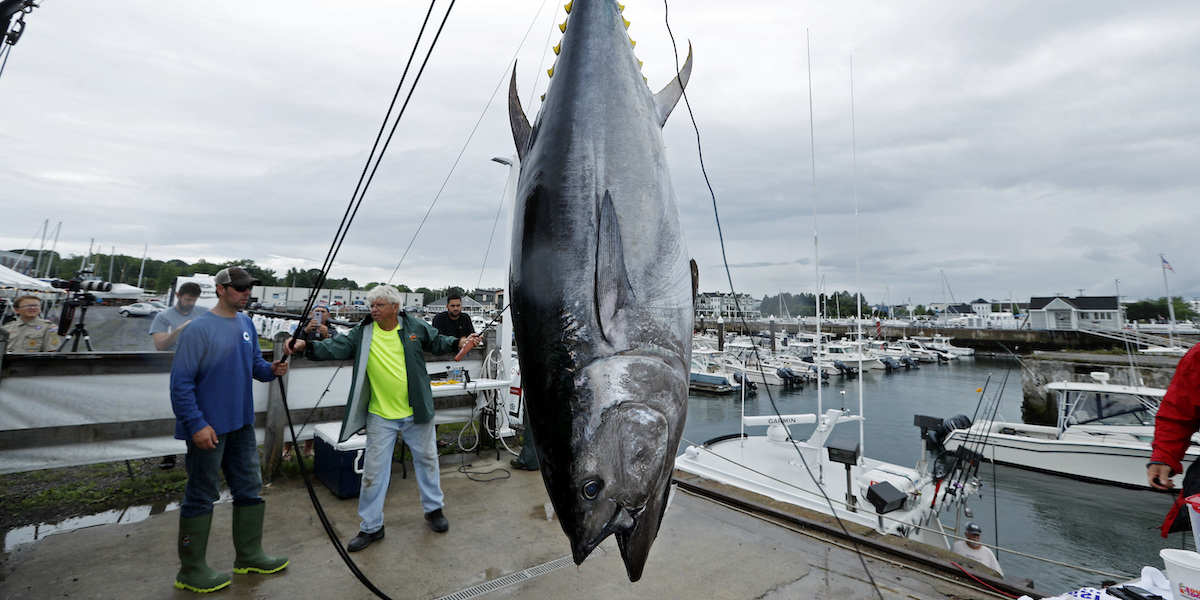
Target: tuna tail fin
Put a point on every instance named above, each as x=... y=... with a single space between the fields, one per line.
x=613 y=291
x=666 y=99
x=516 y=117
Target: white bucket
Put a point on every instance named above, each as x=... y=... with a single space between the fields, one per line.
x=1183 y=569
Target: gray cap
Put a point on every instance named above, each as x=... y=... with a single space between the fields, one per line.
x=973 y=527
x=236 y=276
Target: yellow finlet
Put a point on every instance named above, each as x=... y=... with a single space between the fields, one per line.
x=550 y=71
x=558 y=49
x=563 y=27
x=620 y=7
x=639 y=64
x=543 y=97
x=632 y=43
x=568 y=6
x=626 y=22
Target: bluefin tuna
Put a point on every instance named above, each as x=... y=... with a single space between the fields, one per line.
x=601 y=289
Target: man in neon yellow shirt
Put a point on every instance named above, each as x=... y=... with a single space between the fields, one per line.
x=389 y=395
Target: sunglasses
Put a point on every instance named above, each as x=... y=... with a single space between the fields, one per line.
x=239 y=287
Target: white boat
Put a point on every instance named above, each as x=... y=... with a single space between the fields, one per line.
x=943 y=344
x=711 y=376
x=889 y=498
x=850 y=355
x=917 y=350
x=1103 y=434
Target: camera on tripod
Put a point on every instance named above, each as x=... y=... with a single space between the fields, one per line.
x=76 y=284
x=81 y=295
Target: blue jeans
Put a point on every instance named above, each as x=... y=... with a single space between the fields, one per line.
x=237 y=455
x=377 y=466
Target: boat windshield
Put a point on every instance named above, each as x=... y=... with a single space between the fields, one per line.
x=1105 y=408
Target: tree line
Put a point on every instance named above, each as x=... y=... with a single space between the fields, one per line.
x=157 y=275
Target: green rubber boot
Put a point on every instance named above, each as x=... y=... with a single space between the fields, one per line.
x=247 y=540
x=194 y=573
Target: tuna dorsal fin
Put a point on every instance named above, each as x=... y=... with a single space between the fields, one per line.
x=516 y=117
x=613 y=291
x=666 y=99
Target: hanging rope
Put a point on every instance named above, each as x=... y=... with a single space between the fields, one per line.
x=360 y=191
x=729 y=276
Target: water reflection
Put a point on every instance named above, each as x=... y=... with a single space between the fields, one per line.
x=28 y=534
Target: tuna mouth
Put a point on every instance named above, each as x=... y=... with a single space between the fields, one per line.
x=622 y=521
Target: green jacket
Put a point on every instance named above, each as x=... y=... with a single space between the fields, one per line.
x=418 y=337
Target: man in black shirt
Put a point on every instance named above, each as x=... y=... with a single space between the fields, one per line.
x=452 y=322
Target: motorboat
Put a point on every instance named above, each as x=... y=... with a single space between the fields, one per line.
x=919 y=351
x=712 y=376
x=831 y=476
x=1103 y=434
x=943 y=343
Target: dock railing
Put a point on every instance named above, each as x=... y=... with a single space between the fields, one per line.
x=59 y=410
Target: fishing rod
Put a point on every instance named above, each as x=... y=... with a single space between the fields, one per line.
x=471 y=343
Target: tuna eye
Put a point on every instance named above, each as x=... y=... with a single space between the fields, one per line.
x=592 y=488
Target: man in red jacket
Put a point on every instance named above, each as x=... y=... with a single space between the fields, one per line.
x=1177 y=419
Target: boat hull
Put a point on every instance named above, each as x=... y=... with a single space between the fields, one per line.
x=1087 y=454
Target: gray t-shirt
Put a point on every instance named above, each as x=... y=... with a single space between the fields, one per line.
x=170 y=319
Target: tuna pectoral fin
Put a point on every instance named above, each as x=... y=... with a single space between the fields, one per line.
x=613 y=291
x=516 y=117
x=666 y=99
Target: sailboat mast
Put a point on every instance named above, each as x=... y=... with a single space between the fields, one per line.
x=862 y=438
x=816 y=247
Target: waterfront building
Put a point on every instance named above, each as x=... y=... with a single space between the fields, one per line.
x=1067 y=314
x=711 y=305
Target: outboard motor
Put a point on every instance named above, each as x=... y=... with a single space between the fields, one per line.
x=937 y=435
x=941 y=358
x=909 y=362
x=741 y=378
x=789 y=376
x=889 y=363
x=844 y=369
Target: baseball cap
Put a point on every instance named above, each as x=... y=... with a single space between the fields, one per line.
x=321 y=304
x=236 y=276
x=973 y=527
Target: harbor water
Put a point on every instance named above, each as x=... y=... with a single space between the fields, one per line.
x=1101 y=527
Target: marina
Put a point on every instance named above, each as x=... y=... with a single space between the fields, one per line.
x=1032 y=513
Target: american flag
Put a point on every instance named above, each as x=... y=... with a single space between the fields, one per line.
x=1167 y=265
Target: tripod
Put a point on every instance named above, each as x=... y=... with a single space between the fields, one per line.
x=78 y=331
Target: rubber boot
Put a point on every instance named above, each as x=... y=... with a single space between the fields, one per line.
x=194 y=573
x=247 y=540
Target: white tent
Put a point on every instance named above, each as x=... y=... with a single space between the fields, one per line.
x=12 y=279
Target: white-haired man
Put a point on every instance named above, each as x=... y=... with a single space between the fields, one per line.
x=389 y=395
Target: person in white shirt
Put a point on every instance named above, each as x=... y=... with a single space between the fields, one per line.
x=972 y=549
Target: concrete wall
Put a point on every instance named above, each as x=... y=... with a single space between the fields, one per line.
x=1046 y=367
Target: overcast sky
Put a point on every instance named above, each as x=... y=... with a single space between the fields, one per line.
x=1020 y=148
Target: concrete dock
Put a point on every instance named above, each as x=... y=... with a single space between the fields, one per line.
x=501 y=544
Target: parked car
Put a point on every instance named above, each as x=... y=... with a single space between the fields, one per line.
x=140 y=309
x=158 y=305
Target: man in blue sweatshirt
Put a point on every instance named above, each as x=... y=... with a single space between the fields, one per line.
x=211 y=393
